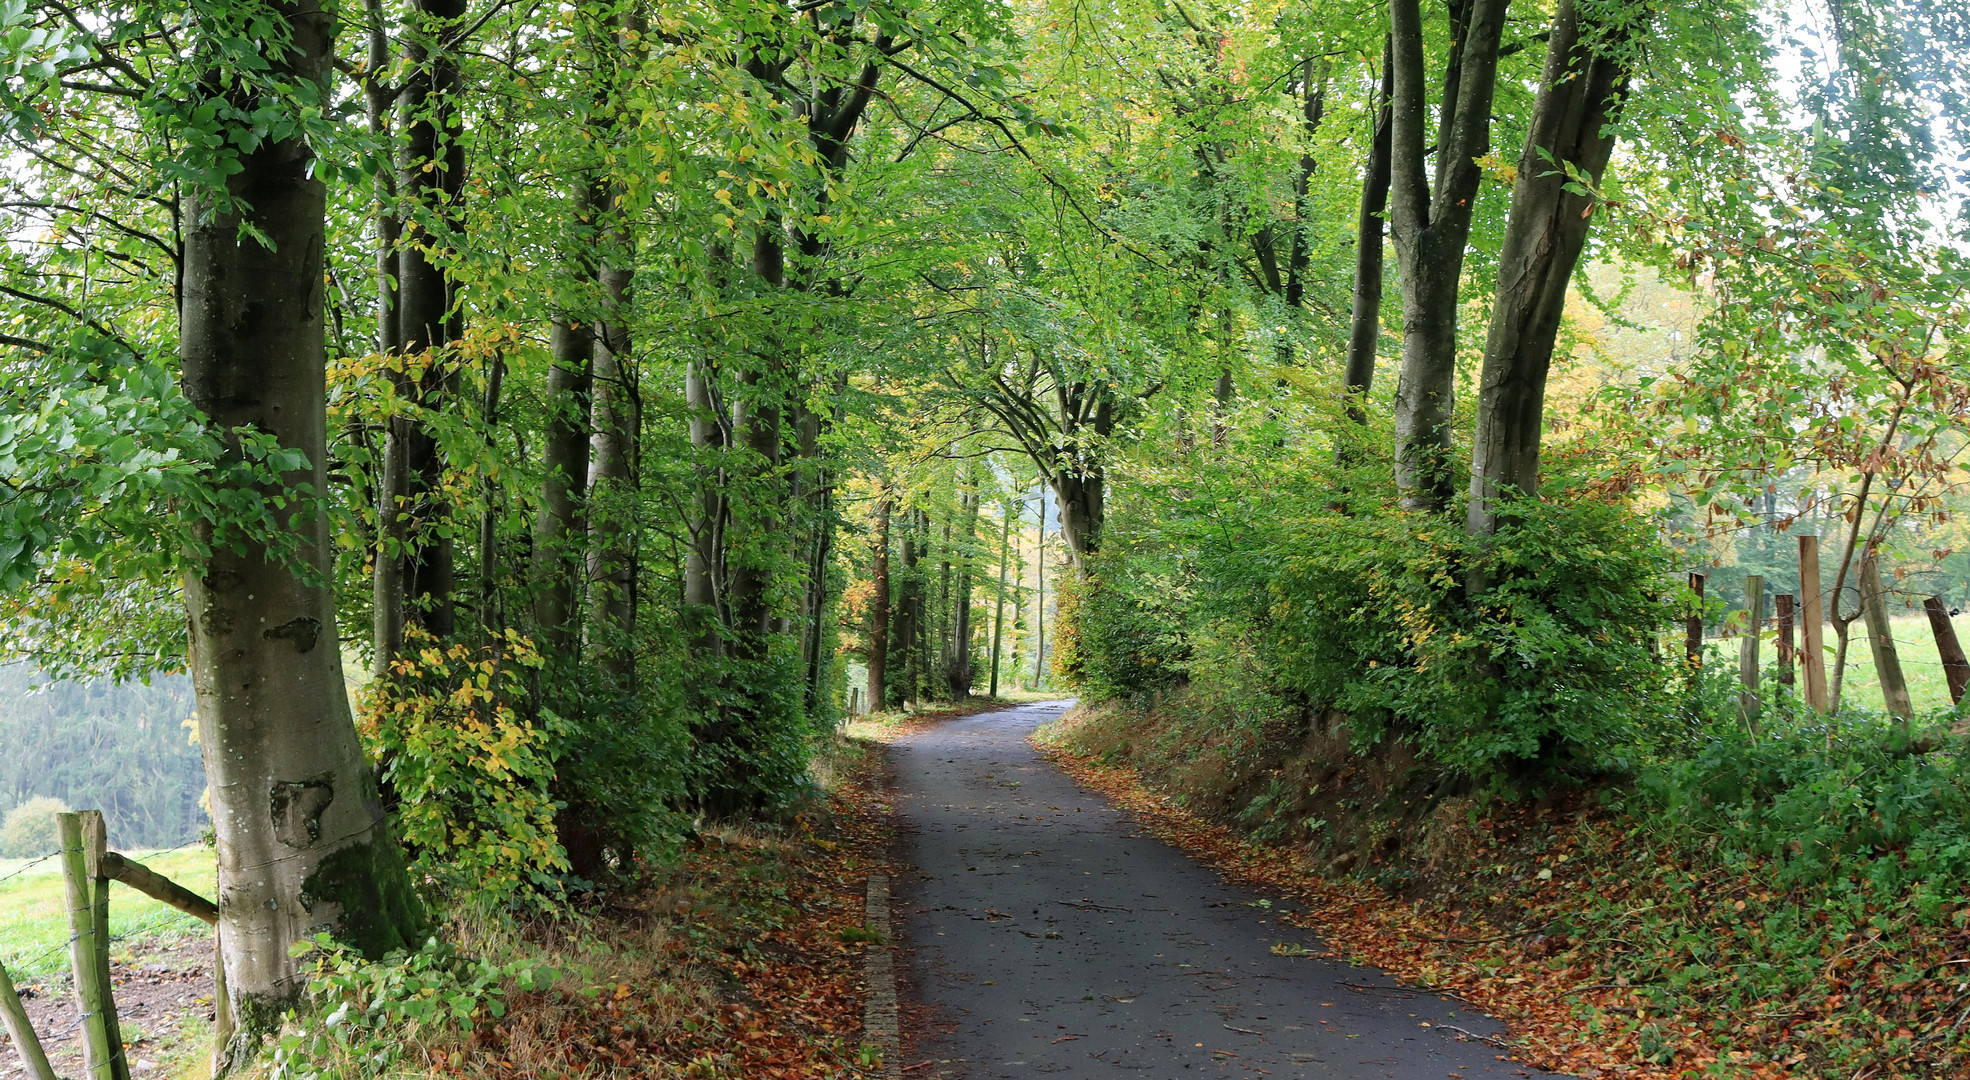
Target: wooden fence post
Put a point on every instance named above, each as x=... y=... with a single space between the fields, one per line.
x=1955 y=667
x=1887 y=663
x=1693 y=629
x=1782 y=609
x=14 y=1015
x=91 y=996
x=95 y=845
x=1747 y=655
x=1812 y=621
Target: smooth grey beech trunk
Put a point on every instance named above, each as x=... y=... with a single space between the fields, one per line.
x=1431 y=229
x=1082 y=495
x=958 y=671
x=1580 y=91
x=558 y=535
x=614 y=425
x=387 y=578
x=707 y=542
x=303 y=845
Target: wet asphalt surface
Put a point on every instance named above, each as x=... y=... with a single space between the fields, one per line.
x=1049 y=936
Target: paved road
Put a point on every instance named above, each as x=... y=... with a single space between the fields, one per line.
x=1049 y=936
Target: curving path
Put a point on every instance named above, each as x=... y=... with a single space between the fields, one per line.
x=1048 y=936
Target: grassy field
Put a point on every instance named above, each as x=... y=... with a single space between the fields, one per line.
x=1915 y=645
x=34 y=919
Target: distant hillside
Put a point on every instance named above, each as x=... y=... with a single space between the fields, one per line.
x=95 y=745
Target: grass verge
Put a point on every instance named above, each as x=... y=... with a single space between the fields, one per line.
x=34 y=910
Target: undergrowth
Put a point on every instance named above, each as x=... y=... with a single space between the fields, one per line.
x=738 y=958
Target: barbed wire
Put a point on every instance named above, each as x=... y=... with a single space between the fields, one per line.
x=169 y=917
x=25 y=867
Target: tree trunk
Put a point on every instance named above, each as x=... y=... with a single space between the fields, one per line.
x=387 y=561
x=302 y=839
x=999 y=612
x=558 y=530
x=1365 y=327
x=1431 y=231
x=433 y=175
x=1579 y=93
x=490 y=622
x=1081 y=510
x=878 y=657
x=960 y=667
x=616 y=424
x=744 y=737
x=702 y=558
x=909 y=611
x=1312 y=108
x=1881 y=642
x=392 y=549
x=813 y=649
x=756 y=428
x=1040 y=598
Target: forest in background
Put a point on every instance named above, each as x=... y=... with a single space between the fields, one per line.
x=125 y=750
x=608 y=381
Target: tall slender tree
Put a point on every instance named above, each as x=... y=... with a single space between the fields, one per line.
x=1431 y=223
x=1566 y=151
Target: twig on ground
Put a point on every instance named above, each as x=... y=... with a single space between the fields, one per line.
x=1486 y=1039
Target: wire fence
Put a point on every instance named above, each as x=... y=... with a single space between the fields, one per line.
x=32 y=965
x=25 y=867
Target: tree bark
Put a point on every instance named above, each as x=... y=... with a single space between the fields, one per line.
x=1313 y=107
x=1082 y=496
x=1365 y=324
x=616 y=424
x=910 y=610
x=814 y=647
x=1040 y=598
x=302 y=840
x=433 y=176
x=756 y=429
x=1431 y=231
x=1580 y=92
x=959 y=670
x=1956 y=669
x=387 y=560
x=490 y=621
x=878 y=657
x=707 y=540
x=558 y=531
x=1881 y=641
x=999 y=610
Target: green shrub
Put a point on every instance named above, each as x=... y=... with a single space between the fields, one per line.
x=1551 y=669
x=1120 y=632
x=470 y=769
x=1824 y=800
x=373 y=1011
x=28 y=831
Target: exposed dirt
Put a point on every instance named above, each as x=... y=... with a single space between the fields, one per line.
x=158 y=991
